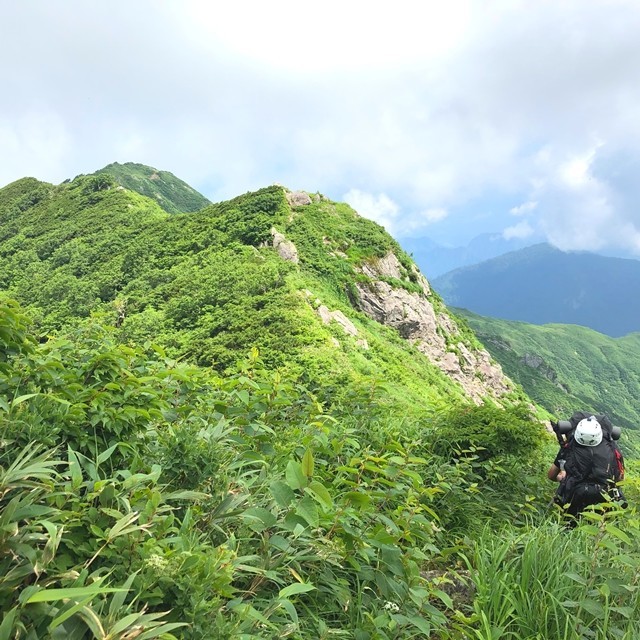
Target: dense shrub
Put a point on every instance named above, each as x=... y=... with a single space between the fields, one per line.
x=489 y=431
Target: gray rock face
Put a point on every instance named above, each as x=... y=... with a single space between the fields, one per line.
x=415 y=319
x=285 y=248
x=389 y=266
x=327 y=316
x=532 y=360
x=298 y=198
x=412 y=315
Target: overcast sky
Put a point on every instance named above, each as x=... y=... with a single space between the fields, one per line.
x=441 y=119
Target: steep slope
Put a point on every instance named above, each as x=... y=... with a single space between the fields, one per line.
x=171 y=193
x=318 y=289
x=541 y=284
x=565 y=367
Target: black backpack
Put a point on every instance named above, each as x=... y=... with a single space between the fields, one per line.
x=598 y=468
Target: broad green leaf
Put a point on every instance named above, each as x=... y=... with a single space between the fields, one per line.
x=625 y=612
x=318 y=491
x=93 y=622
x=75 y=470
x=163 y=630
x=124 y=623
x=294 y=589
x=6 y=626
x=68 y=613
x=593 y=607
x=185 y=495
x=50 y=548
x=21 y=399
x=282 y=493
x=576 y=577
x=117 y=600
x=287 y=605
x=444 y=597
x=358 y=499
x=308 y=511
x=105 y=455
x=264 y=518
x=296 y=479
x=618 y=533
x=422 y=624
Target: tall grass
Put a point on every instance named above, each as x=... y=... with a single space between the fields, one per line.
x=549 y=581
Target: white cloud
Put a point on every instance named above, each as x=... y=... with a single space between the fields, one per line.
x=524 y=209
x=518 y=231
x=33 y=144
x=383 y=210
x=579 y=208
x=433 y=215
x=332 y=37
x=379 y=208
x=435 y=106
x=576 y=172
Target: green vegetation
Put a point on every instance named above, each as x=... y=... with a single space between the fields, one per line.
x=171 y=193
x=562 y=367
x=209 y=287
x=143 y=496
x=188 y=451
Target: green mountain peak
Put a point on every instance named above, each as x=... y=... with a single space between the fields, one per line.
x=318 y=289
x=171 y=193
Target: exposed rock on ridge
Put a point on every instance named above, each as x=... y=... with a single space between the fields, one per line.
x=415 y=318
x=285 y=248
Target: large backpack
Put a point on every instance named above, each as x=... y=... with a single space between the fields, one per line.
x=596 y=468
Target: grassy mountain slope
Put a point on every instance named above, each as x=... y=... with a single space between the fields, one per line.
x=334 y=487
x=541 y=284
x=563 y=367
x=210 y=286
x=171 y=193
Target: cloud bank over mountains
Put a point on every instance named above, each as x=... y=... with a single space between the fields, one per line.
x=439 y=119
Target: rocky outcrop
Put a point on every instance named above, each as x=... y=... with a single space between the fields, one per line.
x=298 y=198
x=285 y=248
x=327 y=316
x=535 y=361
x=348 y=327
x=434 y=334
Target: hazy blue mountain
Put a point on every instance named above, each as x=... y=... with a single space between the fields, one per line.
x=541 y=284
x=435 y=259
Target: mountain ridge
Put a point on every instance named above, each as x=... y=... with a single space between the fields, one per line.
x=566 y=366
x=541 y=284
x=259 y=420
x=212 y=283
x=171 y=193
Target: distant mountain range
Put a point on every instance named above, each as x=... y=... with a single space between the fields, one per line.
x=541 y=284
x=435 y=259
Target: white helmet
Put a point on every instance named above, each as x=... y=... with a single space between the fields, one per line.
x=588 y=432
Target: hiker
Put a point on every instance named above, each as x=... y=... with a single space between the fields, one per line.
x=588 y=465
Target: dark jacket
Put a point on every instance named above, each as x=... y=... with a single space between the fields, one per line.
x=592 y=473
